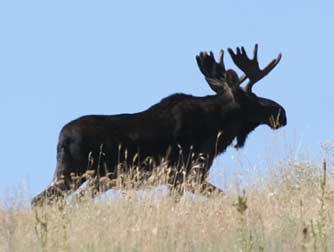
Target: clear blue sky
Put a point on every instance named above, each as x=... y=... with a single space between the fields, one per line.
x=63 y=59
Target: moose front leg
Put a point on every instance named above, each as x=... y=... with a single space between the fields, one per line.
x=204 y=187
x=208 y=189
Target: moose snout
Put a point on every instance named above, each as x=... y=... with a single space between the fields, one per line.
x=279 y=120
x=282 y=118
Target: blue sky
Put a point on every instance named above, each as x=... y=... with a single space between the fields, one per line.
x=63 y=59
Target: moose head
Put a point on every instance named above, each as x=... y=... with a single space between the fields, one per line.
x=257 y=110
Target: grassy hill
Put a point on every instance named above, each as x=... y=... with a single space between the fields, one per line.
x=291 y=210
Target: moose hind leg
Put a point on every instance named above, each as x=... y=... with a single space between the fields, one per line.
x=66 y=180
x=51 y=194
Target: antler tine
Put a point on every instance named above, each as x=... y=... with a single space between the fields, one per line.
x=251 y=66
x=255 y=52
x=221 y=58
x=212 y=70
x=205 y=61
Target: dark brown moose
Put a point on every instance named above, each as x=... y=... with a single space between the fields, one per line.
x=178 y=122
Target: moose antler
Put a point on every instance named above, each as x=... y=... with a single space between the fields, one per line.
x=251 y=66
x=215 y=73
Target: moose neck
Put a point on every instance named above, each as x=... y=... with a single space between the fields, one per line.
x=253 y=115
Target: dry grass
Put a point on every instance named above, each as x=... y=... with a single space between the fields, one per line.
x=293 y=210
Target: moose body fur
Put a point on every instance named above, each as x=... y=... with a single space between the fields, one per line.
x=197 y=125
x=178 y=121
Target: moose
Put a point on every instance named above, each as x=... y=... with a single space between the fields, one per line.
x=200 y=126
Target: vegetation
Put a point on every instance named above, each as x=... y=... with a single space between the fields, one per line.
x=291 y=210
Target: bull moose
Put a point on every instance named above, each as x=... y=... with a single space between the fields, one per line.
x=177 y=121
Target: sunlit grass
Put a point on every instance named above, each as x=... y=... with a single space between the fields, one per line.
x=291 y=210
